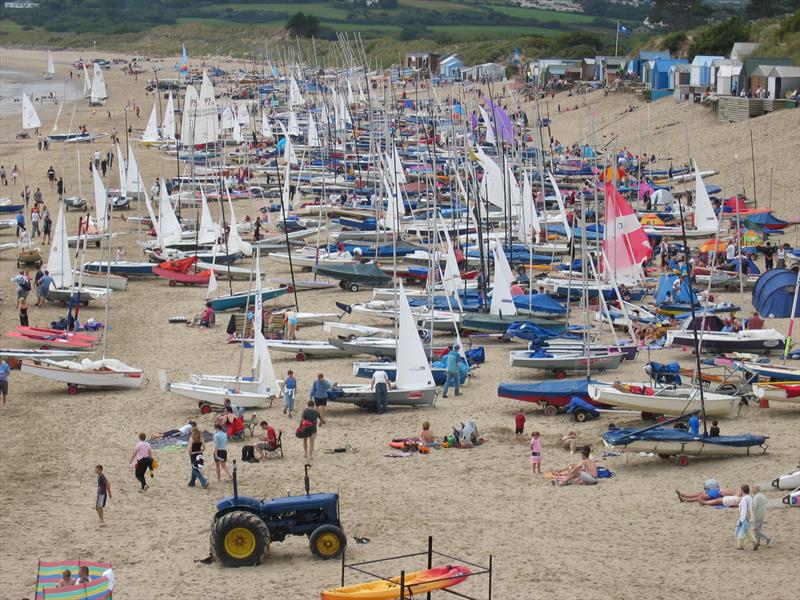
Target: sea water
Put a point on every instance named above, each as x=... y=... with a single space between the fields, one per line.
x=41 y=91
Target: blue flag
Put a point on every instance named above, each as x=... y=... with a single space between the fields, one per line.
x=624 y=30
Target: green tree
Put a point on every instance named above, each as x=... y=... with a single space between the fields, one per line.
x=303 y=25
x=764 y=9
x=673 y=41
x=719 y=38
x=679 y=14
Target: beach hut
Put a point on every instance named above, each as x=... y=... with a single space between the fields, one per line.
x=657 y=72
x=778 y=81
x=636 y=64
x=607 y=68
x=742 y=50
x=774 y=294
x=587 y=69
x=700 y=75
x=680 y=81
x=423 y=61
x=450 y=66
x=747 y=78
x=725 y=76
x=484 y=72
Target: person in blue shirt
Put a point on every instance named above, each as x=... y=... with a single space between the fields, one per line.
x=289 y=393
x=453 y=373
x=694 y=424
x=319 y=393
x=221 y=451
x=5 y=370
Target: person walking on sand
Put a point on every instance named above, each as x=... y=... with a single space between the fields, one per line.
x=536 y=452
x=308 y=429
x=196 y=448
x=5 y=371
x=103 y=493
x=143 y=455
x=453 y=372
x=221 y=451
x=22 y=306
x=289 y=393
x=759 y=514
x=743 y=529
x=519 y=424
x=319 y=393
x=47 y=226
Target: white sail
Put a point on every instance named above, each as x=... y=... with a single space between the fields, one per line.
x=58 y=114
x=58 y=263
x=313 y=134
x=151 y=213
x=493 y=176
x=235 y=242
x=293 y=128
x=242 y=114
x=266 y=129
x=51 y=69
x=99 y=92
x=30 y=120
x=295 y=97
x=704 y=217
x=169 y=227
x=413 y=370
x=237 y=131
x=261 y=355
x=206 y=126
x=560 y=200
x=288 y=151
x=451 y=281
x=190 y=111
x=209 y=231
x=168 y=124
x=351 y=99
x=529 y=231
x=122 y=169
x=151 y=131
x=490 y=137
x=100 y=201
x=502 y=301
x=133 y=180
x=286 y=201
x=87 y=83
x=227 y=118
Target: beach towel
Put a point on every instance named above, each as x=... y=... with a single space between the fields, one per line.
x=177 y=442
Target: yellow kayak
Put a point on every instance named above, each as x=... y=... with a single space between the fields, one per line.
x=416 y=583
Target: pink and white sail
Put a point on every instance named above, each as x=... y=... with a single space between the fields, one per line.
x=625 y=245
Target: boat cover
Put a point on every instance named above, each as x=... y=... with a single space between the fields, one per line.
x=536 y=334
x=576 y=402
x=546 y=389
x=621 y=437
x=540 y=303
x=366 y=273
x=665 y=373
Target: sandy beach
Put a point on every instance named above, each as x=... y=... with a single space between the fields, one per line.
x=626 y=538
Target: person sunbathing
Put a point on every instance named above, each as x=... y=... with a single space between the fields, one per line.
x=584 y=473
x=706 y=495
x=183 y=430
x=727 y=501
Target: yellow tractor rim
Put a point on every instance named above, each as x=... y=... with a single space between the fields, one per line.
x=328 y=544
x=240 y=543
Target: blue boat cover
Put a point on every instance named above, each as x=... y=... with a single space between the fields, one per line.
x=665 y=283
x=760 y=221
x=773 y=294
x=665 y=373
x=545 y=389
x=621 y=437
x=577 y=402
x=540 y=303
x=535 y=333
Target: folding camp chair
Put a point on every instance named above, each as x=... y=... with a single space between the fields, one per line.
x=277 y=451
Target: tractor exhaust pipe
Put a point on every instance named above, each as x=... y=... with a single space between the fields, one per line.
x=235 y=482
x=306 y=480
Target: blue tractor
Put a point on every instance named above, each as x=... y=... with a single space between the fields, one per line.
x=243 y=527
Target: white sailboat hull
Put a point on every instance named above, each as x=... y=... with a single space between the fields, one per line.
x=670 y=402
x=97 y=378
x=694 y=448
x=216 y=396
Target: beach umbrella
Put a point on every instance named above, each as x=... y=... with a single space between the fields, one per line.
x=712 y=245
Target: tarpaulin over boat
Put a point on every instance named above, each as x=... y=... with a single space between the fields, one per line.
x=366 y=273
x=540 y=303
x=621 y=437
x=666 y=283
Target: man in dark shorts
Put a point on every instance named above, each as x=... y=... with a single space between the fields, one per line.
x=103 y=493
x=319 y=393
x=308 y=425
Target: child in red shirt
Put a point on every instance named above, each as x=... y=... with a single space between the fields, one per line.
x=519 y=425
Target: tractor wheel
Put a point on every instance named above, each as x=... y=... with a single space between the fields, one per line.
x=550 y=410
x=239 y=539
x=327 y=541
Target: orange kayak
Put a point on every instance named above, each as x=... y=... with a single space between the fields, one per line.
x=416 y=583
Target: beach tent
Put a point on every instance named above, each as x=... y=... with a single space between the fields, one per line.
x=773 y=294
x=48 y=576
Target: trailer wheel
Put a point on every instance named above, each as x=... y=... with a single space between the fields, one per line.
x=205 y=408
x=172 y=283
x=300 y=356
x=581 y=416
x=342 y=284
x=72 y=389
x=550 y=410
x=560 y=374
x=648 y=416
x=727 y=388
x=353 y=287
x=682 y=460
